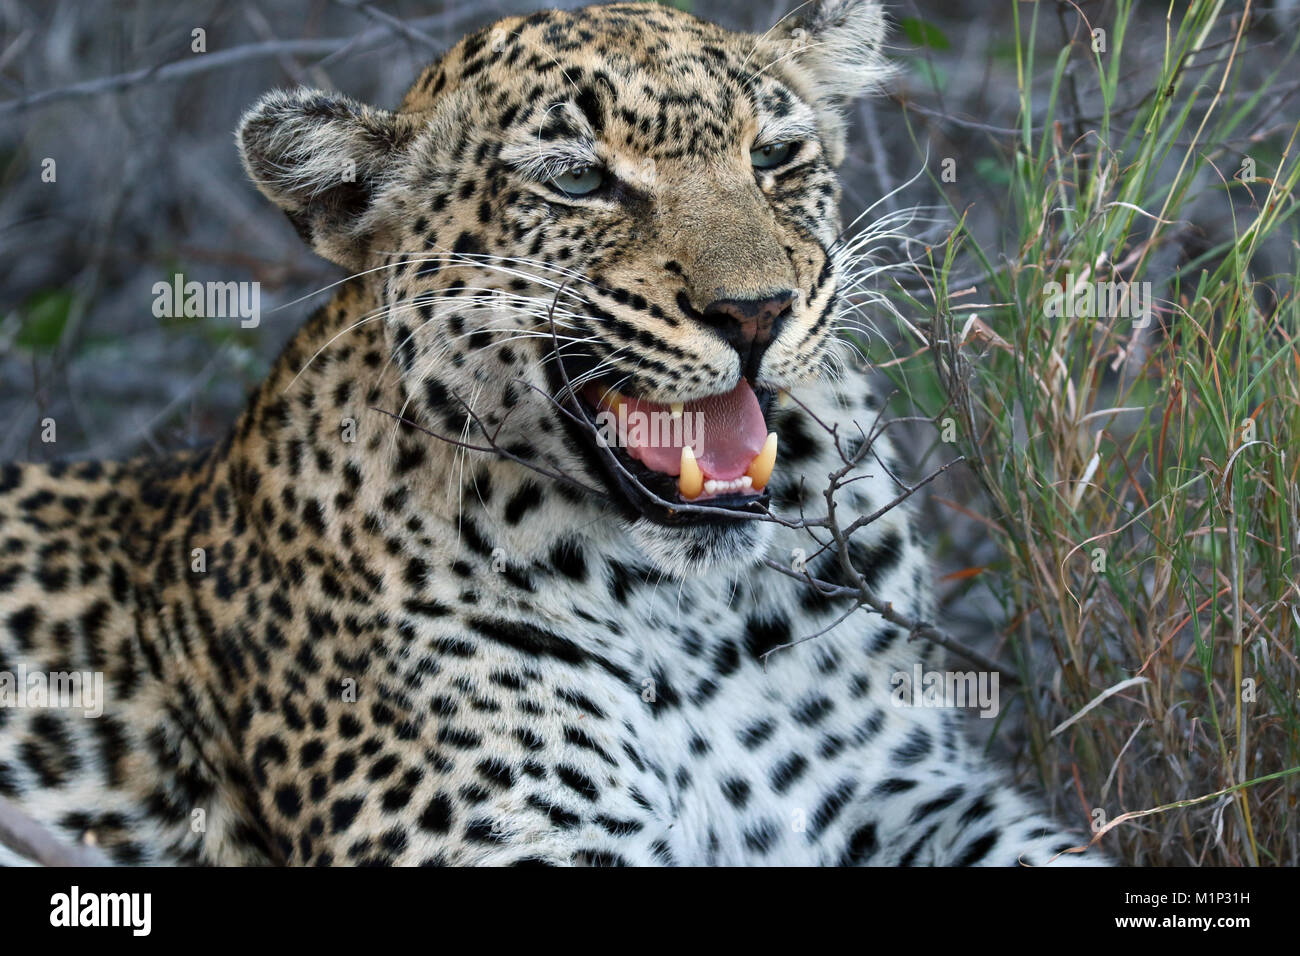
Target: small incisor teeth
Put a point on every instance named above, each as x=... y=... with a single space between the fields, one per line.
x=691 y=480
x=760 y=469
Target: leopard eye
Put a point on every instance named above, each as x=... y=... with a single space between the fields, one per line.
x=579 y=181
x=771 y=156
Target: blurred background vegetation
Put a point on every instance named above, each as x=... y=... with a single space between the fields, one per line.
x=1172 y=449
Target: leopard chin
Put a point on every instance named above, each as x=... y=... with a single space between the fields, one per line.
x=689 y=550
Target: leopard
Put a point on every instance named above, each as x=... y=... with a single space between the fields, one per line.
x=435 y=598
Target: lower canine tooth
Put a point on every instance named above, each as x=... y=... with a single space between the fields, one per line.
x=760 y=469
x=691 y=480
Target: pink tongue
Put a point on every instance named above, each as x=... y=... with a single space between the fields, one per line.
x=724 y=431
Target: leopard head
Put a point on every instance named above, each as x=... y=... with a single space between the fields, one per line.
x=606 y=237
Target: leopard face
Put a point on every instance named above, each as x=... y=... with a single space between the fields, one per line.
x=577 y=216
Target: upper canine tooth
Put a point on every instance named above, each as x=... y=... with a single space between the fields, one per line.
x=676 y=409
x=783 y=399
x=691 y=480
x=760 y=469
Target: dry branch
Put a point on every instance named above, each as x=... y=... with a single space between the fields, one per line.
x=32 y=841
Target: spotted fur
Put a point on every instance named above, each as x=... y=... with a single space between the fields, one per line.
x=399 y=650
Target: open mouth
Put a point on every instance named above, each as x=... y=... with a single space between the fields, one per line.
x=687 y=462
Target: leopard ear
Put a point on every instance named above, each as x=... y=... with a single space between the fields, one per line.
x=323 y=159
x=836 y=48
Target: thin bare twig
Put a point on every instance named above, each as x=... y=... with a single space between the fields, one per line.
x=216 y=60
x=34 y=842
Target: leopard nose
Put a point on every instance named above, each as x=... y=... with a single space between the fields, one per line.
x=749 y=325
